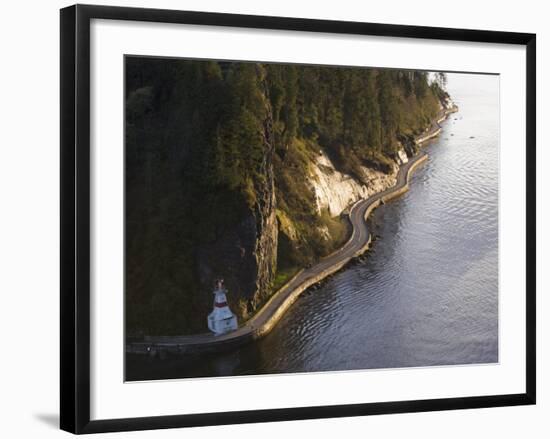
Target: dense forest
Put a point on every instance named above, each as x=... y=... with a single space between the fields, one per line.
x=218 y=158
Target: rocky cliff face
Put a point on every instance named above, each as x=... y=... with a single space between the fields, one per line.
x=336 y=191
x=333 y=190
x=245 y=255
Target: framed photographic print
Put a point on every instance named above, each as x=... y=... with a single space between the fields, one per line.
x=268 y=218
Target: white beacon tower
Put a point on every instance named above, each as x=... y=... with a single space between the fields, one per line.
x=221 y=319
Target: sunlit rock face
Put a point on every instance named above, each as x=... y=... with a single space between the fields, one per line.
x=402 y=156
x=378 y=181
x=333 y=190
x=336 y=191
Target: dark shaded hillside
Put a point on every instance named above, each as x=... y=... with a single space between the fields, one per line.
x=218 y=157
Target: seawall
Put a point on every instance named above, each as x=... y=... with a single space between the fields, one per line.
x=435 y=129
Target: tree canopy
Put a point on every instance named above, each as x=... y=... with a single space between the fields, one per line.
x=196 y=152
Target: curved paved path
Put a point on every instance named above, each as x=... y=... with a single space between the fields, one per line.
x=273 y=310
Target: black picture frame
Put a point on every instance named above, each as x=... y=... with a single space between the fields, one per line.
x=75 y=217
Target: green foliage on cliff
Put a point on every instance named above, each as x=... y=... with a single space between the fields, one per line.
x=198 y=136
x=356 y=116
x=194 y=146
